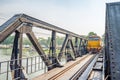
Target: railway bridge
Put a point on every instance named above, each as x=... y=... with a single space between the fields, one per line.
x=79 y=63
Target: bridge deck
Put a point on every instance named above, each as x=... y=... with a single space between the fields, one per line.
x=68 y=73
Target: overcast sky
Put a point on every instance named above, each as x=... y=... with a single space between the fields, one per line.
x=78 y=16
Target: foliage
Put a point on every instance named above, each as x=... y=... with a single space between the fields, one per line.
x=44 y=42
x=26 y=41
x=8 y=40
x=59 y=40
x=92 y=33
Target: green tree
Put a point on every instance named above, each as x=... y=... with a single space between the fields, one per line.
x=9 y=40
x=48 y=41
x=92 y=33
x=43 y=41
x=59 y=40
x=26 y=41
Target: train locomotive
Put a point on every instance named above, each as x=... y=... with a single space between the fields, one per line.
x=94 y=44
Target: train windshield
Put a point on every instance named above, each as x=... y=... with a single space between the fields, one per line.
x=93 y=38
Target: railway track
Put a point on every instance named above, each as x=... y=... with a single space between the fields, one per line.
x=82 y=69
x=56 y=76
x=97 y=71
x=94 y=71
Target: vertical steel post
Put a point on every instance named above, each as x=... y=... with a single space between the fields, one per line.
x=53 y=47
x=80 y=53
x=62 y=50
x=55 y=62
x=76 y=47
x=20 y=51
x=68 y=50
x=68 y=56
x=14 y=56
x=84 y=47
x=14 y=65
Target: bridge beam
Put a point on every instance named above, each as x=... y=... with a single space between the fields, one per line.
x=25 y=22
x=53 y=57
x=53 y=47
x=76 y=47
x=63 y=46
x=15 y=64
x=69 y=47
x=73 y=49
x=9 y=27
x=38 y=47
x=66 y=46
x=84 y=47
x=79 y=49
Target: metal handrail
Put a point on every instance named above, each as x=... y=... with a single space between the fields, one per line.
x=30 y=66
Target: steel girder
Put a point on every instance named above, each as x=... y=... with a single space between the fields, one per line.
x=79 y=48
x=15 y=63
x=27 y=29
x=63 y=46
x=76 y=47
x=66 y=45
x=26 y=22
x=52 y=51
x=112 y=40
x=13 y=23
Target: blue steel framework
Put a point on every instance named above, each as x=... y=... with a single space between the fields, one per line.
x=22 y=23
x=112 y=41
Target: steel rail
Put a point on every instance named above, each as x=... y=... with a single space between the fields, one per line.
x=67 y=69
x=82 y=69
x=97 y=71
x=87 y=72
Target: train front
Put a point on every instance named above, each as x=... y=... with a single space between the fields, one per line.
x=94 y=44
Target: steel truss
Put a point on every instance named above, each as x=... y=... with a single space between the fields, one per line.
x=22 y=23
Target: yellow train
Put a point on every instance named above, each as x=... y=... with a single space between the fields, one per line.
x=94 y=44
